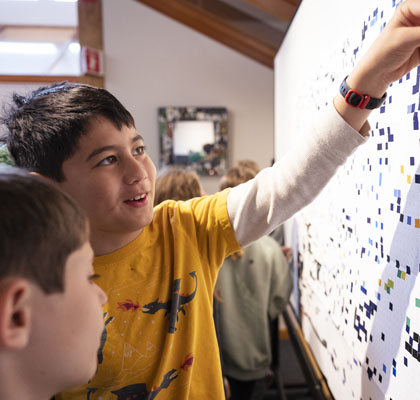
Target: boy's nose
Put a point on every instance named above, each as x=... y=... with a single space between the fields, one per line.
x=135 y=171
x=103 y=298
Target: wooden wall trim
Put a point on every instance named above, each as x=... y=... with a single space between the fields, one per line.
x=90 y=23
x=90 y=33
x=316 y=380
x=90 y=80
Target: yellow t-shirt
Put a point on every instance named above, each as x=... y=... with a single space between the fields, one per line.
x=160 y=340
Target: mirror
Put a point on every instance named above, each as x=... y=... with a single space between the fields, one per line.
x=195 y=137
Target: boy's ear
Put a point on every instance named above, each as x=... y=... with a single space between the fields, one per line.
x=15 y=314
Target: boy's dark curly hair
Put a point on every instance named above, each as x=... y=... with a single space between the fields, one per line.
x=43 y=129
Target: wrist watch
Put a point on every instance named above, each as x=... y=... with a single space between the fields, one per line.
x=359 y=100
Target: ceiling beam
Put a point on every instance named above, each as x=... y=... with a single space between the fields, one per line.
x=225 y=24
x=284 y=10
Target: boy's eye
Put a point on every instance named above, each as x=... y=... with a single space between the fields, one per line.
x=107 y=161
x=138 y=151
x=93 y=277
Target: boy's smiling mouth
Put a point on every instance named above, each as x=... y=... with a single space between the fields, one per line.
x=137 y=198
x=137 y=201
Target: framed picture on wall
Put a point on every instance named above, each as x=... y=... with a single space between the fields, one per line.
x=195 y=137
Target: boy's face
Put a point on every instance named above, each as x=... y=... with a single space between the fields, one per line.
x=67 y=327
x=113 y=179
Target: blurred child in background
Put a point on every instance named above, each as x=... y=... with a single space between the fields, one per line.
x=255 y=284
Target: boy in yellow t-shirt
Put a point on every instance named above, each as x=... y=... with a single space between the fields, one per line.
x=159 y=266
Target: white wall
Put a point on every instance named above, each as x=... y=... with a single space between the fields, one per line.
x=153 y=61
x=7 y=89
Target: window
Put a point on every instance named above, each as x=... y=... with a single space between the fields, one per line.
x=39 y=37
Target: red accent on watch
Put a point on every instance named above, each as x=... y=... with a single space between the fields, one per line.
x=349 y=93
x=359 y=100
x=364 y=99
x=363 y=103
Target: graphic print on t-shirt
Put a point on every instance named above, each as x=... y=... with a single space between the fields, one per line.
x=103 y=338
x=139 y=391
x=174 y=305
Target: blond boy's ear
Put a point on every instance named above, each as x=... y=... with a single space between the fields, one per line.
x=15 y=313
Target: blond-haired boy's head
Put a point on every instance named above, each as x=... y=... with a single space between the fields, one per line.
x=241 y=172
x=249 y=164
x=50 y=309
x=177 y=183
x=40 y=227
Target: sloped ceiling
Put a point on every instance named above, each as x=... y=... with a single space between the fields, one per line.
x=255 y=28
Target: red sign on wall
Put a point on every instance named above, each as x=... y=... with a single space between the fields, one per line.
x=92 y=61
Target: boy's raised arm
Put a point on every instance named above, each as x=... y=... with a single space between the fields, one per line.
x=260 y=205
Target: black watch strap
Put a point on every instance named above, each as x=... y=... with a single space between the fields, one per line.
x=359 y=100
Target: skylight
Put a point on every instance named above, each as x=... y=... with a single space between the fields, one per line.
x=39 y=37
x=38 y=12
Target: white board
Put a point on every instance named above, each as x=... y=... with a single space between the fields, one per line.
x=359 y=241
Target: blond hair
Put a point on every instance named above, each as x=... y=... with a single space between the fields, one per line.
x=250 y=164
x=240 y=173
x=177 y=183
x=243 y=171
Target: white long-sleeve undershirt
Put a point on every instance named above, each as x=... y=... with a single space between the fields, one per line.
x=258 y=206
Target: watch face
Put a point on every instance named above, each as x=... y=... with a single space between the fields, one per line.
x=353 y=98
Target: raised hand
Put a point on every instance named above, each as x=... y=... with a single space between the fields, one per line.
x=394 y=53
